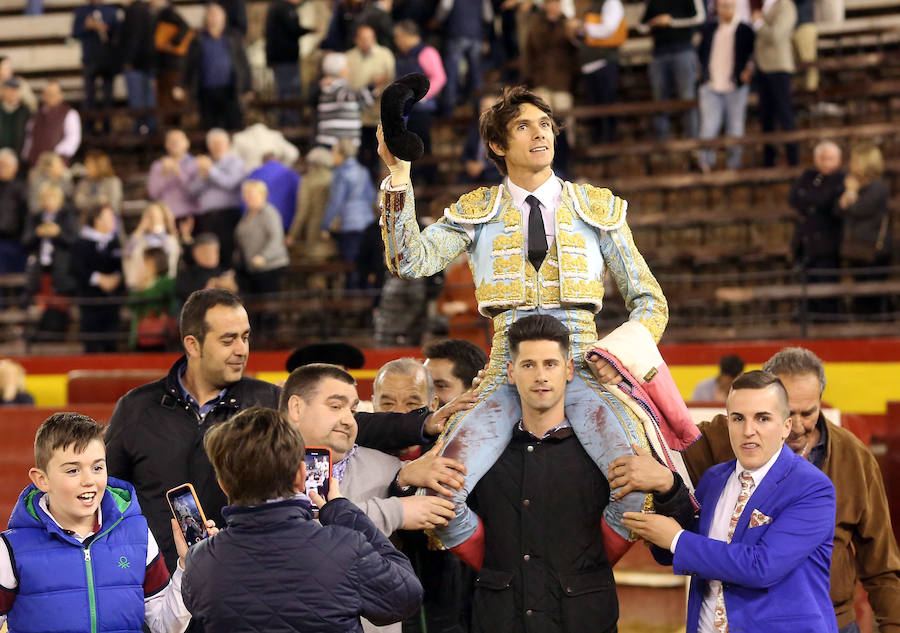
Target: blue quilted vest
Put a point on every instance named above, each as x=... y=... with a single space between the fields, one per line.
x=68 y=587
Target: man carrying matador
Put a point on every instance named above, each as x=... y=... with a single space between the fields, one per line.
x=536 y=245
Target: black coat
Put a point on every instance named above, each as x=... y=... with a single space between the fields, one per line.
x=867 y=235
x=137 y=48
x=817 y=231
x=274 y=569
x=13 y=209
x=545 y=566
x=155 y=441
x=61 y=263
x=283 y=32
x=743 y=49
x=240 y=67
x=88 y=257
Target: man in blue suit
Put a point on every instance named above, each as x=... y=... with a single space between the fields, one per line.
x=760 y=554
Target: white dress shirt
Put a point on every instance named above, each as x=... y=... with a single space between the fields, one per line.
x=549 y=195
x=718 y=530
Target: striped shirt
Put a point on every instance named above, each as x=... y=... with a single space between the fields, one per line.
x=338 y=112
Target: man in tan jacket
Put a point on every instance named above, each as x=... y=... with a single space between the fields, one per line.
x=864 y=545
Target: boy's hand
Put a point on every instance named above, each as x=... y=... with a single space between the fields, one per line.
x=433 y=471
x=639 y=472
x=424 y=513
x=334 y=492
x=181 y=545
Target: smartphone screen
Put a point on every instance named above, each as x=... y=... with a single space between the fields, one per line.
x=187 y=511
x=318 y=470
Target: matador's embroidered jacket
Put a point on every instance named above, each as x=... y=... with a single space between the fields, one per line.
x=591 y=236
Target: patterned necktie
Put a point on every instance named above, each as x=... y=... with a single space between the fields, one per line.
x=537 y=237
x=747 y=486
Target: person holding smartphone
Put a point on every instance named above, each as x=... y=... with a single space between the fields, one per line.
x=272 y=562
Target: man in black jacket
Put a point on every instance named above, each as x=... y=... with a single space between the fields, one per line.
x=817 y=228
x=217 y=72
x=283 y=33
x=137 y=49
x=155 y=435
x=546 y=566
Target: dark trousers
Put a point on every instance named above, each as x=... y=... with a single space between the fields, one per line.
x=266 y=282
x=288 y=86
x=99 y=326
x=221 y=222
x=220 y=107
x=775 y=107
x=91 y=73
x=600 y=87
x=166 y=80
x=348 y=245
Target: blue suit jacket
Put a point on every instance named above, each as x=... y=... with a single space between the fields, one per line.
x=775 y=576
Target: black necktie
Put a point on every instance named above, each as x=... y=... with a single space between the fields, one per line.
x=537 y=238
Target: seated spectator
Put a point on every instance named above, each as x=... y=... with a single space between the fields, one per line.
x=339 y=107
x=96 y=26
x=371 y=63
x=817 y=228
x=282 y=183
x=215 y=181
x=49 y=235
x=169 y=178
x=25 y=91
x=312 y=200
x=415 y=56
x=255 y=142
x=217 y=73
x=260 y=240
x=716 y=388
x=153 y=305
x=726 y=68
x=201 y=268
x=465 y=28
x=13 y=211
x=14 y=116
x=55 y=127
x=50 y=168
x=351 y=204
x=478 y=167
x=774 y=59
x=97 y=268
x=673 y=65
x=867 y=238
x=100 y=186
x=551 y=56
x=155 y=230
x=343 y=566
x=12 y=384
x=600 y=35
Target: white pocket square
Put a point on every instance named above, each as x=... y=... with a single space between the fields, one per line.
x=758 y=518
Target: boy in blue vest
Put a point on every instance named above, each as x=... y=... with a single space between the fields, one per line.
x=78 y=555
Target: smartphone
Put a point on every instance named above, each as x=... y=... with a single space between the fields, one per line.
x=187 y=511
x=318 y=470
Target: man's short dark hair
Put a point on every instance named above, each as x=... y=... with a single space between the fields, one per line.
x=538 y=327
x=409 y=27
x=256 y=455
x=494 y=123
x=761 y=379
x=304 y=381
x=160 y=260
x=731 y=365
x=62 y=430
x=467 y=358
x=206 y=238
x=92 y=213
x=193 y=315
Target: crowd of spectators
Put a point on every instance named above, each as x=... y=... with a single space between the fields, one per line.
x=326 y=198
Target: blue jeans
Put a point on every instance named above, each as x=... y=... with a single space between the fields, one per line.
x=288 y=86
x=477 y=437
x=717 y=108
x=674 y=76
x=457 y=48
x=141 y=97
